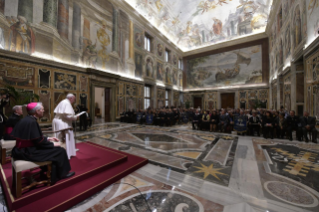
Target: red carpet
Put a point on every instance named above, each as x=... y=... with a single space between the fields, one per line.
x=96 y=167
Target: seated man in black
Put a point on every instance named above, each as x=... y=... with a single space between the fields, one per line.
x=308 y=124
x=12 y=121
x=254 y=124
x=281 y=126
x=268 y=125
x=205 y=120
x=293 y=123
x=214 y=119
x=31 y=145
x=196 y=120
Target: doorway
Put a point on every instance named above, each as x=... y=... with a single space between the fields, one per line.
x=227 y=100
x=102 y=105
x=198 y=102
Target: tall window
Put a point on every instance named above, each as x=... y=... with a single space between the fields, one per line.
x=147 y=97
x=180 y=64
x=166 y=98
x=147 y=42
x=166 y=55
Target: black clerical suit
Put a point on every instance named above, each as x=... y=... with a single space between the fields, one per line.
x=83 y=118
x=196 y=120
x=3 y=118
x=268 y=127
x=31 y=145
x=254 y=125
x=293 y=124
x=281 y=127
x=10 y=124
x=311 y=121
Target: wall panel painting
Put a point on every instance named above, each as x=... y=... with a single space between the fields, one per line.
x=120 y=105
x=237 y=67
x=44 y=78
x=297 y=32
x=312 y=7
x=138 y=65
x=160 y=72
x=149 y=68
x=16 y=75
x=64 y=81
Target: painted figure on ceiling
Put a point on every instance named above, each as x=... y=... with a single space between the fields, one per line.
x=21 y=37
x=217 y=27
x=159 y=5
x=189 y=27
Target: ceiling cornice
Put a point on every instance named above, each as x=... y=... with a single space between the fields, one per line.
x=226 y=44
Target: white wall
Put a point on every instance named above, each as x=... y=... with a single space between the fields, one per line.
x=99 y=98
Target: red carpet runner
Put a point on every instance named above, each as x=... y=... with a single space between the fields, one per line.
x=96 y=167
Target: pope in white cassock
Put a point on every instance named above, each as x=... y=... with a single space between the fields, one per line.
x=64 y=115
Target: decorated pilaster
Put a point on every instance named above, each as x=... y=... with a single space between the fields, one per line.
x=130 y=61
x=63 y=19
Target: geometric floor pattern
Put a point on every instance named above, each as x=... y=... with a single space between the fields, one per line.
x=202 y=171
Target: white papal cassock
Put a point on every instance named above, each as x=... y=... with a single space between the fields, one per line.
x=64 y=115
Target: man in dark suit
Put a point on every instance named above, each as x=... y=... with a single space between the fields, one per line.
x=254 y=124
x=293 y=123
x=12 y=121
x=4 y=99
x=83 y=118
x=308 y=125
x=196 y=120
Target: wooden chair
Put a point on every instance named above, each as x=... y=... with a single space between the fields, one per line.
x=18 y=166
x=4 y=147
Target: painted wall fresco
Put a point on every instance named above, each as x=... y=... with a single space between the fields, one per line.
x=247 y=98
x=312 y=84
x=312 y=7
x=237 y=67
x=130 y=96
x=78 y=33
x=192 y=24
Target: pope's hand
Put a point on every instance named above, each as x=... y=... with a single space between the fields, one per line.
x=53 y=139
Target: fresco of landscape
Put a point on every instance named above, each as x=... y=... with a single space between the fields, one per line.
x=192 y=24
x=237 y=67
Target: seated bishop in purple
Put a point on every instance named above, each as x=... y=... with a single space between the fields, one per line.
x=31 y=145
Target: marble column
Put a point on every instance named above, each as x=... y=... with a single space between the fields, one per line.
x=76 y=26
x=2 y=3
x=63 y=19
x=50 y=12
x=115 y=45
x=25 y=9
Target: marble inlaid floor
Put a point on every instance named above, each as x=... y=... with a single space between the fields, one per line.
x=202 y=171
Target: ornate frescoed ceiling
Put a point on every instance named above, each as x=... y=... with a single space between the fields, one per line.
x=193 y=24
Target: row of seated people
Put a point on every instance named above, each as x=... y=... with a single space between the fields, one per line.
x=269 y=123
x=162 y=117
